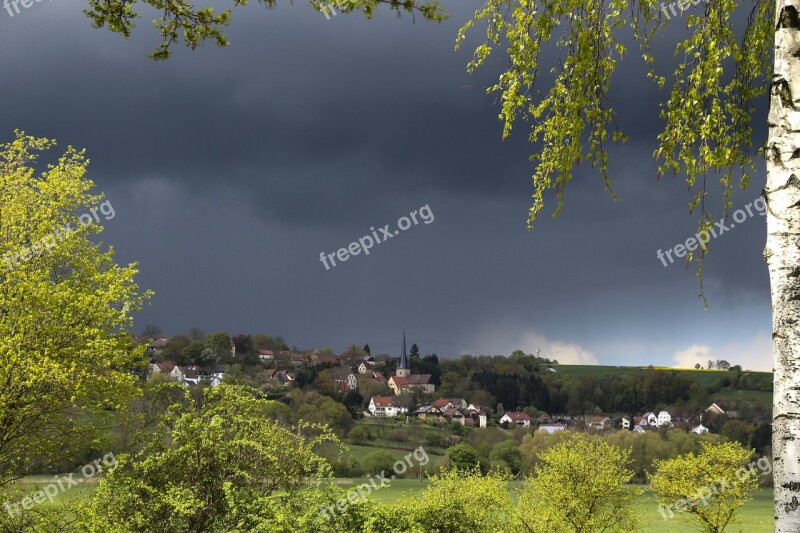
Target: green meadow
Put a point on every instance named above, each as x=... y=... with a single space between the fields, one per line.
x=755 y=517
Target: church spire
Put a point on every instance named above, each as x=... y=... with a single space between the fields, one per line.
x=403 y=369
x=404 y=357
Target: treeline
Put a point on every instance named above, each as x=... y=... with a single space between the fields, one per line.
x=526 y=381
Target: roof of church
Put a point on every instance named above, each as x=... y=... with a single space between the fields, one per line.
x=413 y=379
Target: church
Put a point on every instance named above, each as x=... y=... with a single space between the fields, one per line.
x=404 y=382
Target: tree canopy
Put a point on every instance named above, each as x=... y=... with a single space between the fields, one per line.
x=65 y=305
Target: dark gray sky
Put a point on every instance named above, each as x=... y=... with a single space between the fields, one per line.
x=230 y=171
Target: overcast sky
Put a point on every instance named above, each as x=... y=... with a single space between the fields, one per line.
x=230 y=171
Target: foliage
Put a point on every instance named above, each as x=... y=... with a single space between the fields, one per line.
x=220 y=343
x=265 y=342
x=313 y=407
x=428 y=364
x=358 y=435
x=524 y=381
x=709 y=486
x=645 y=449
x=738 y=431
x=463 y=457
x=221 y=466
x=580 y=486
x=506 y=455
x=707 y=115
x=377 y=462
x=65 y=356
x=458 y=501
x=181 y=21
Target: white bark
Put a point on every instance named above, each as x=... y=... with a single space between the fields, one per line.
x=782 y=195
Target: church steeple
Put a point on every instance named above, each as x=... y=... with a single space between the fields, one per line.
x=403 y=369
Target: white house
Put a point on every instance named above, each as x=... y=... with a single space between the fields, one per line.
x=342 y=377
x=362 y=368
x=650 y=418
x=165 y=367
x=384 y=406
x=626 y=424
x=520 y=419
x=177 y=374
x=190 y=376
x=700 y=430
x=597 y=422
x=664 y=418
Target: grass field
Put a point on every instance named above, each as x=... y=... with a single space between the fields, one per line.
x=754 y=517
x=359 y=452
x=28 y=485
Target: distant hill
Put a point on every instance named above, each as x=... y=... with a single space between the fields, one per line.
x=707 y=378
x=702 y=376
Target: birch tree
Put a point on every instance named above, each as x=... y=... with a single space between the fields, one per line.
x=782 y=195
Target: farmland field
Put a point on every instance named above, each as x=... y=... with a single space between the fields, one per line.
x=704 y=377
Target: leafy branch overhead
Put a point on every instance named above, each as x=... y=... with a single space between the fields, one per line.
x=706 y=115
x=180 y=21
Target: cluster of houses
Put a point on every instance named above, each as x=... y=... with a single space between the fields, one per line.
x=454 y=410
x=185 y=375
x=459 y=410
x=671 y=417
x=445 y=409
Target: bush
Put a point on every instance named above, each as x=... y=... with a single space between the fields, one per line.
x=463 y=457
x=358 y=435
x=347 y=468
x=377 y=462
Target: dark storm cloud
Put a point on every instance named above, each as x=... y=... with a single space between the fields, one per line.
x=232 y=169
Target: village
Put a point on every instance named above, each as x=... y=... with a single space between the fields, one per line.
x=409 y=390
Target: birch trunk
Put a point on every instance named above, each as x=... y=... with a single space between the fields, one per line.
x=782 y=252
